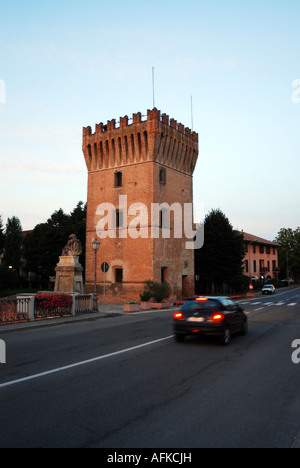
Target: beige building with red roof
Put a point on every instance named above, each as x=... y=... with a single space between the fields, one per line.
x=261 y=258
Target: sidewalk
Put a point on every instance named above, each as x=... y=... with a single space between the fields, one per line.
x=110 y=310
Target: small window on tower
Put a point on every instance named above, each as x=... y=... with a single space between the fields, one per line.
x=118 y=179
x=119 y=275
x=162 y=176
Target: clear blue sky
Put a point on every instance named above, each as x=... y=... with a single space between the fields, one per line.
x=68 y=64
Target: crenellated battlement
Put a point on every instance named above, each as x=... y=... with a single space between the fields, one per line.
x=154 y=137
x=138 y=118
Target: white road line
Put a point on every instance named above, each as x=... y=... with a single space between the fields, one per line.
x=292 y=304
x=260 y=308
x=82 y=363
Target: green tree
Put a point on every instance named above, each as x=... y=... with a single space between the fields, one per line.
x=289 y=241
x=44 y=245
x=2 y=237
x=13 y=243
x=220 y=261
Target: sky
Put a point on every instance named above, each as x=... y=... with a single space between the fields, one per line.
x=67 y=64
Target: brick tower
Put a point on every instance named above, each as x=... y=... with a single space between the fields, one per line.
x=133 y=166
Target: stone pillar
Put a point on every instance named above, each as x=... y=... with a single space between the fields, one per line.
x=69 y=275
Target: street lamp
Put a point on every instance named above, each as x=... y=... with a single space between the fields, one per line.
x=95 y=245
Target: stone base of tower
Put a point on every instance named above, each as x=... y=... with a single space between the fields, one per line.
x=127 y=292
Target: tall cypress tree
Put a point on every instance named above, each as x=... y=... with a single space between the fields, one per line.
x=220 y=260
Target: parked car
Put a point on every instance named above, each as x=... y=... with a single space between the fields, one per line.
x=268 y=289
x=219 y=316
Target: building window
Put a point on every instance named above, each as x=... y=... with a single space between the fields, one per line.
x=254 y=266
x=118 y=179
x=268 y=249
x=246 y=266
x=119 y=275
x=164 y=274
x=162 y=176
x=261 y=249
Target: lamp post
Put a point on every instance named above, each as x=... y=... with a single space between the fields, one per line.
x=95 y=245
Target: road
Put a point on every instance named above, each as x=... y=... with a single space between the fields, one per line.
x=123 y=382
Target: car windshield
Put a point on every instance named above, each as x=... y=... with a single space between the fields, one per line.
x=268 y=287
x=209 y=304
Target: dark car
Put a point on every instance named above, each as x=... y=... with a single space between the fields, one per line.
x=219 y=316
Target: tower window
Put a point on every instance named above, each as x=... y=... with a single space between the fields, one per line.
x=118 y=179
x=162 y=176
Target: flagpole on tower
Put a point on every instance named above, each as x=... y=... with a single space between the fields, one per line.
x=153 y=91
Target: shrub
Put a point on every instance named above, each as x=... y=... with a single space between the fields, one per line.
x=147 y=294
x=155 y=290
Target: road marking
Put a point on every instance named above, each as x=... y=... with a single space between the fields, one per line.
x=279 y=304
x=260 y=308
x=256 y=303
x=83 y=363
x=292 y=304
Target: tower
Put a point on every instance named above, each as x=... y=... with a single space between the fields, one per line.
x=140 y=182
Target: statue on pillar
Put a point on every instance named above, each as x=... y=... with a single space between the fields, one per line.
x=72 y=248
x=69 y=271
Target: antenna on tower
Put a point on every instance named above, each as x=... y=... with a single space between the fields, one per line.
x=153 y=92
x=192 y=117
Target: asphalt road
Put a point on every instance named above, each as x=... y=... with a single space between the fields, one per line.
x=123 y=382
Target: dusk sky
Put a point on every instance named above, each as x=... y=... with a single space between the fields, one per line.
x=68 y=64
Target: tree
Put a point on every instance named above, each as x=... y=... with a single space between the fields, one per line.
x=13 y=243
x=289 y=241
x=2 y=237
x=44 y=245
x=220 y=261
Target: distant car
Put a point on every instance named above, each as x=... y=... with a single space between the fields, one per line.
x=288 y=281
x=219 y=316
x=268 y=289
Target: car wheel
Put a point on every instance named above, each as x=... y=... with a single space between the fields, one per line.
x=226 y=338
x=244 y=330
x=179 y=337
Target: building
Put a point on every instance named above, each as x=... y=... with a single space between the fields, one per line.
x=261 y=258
x=140 y=181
